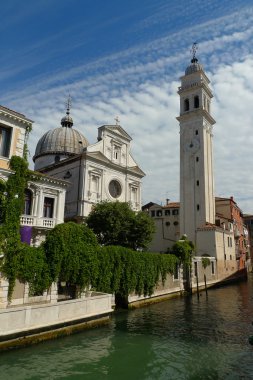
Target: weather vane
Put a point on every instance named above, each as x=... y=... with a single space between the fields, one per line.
x=194 y=50
x=68 y=104
x=117 y=120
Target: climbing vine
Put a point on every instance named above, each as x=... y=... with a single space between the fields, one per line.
x=205 y=262
x=122 y=270
x=71 y=254
x=32 y=267
x=12 y=203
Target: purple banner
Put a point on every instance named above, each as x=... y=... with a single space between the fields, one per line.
x=26 y=234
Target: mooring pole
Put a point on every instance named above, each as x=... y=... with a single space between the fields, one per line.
x=205 y=286
x=197 y=278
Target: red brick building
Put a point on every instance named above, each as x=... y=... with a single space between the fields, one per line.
x=227 y=209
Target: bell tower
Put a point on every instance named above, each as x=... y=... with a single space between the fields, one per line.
x=197 y=203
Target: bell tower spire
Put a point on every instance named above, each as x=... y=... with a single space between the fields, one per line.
x=197 y=203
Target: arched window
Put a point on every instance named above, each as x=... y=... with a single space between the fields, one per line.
x=186 y=105
x=196 y=101
x=28 y=202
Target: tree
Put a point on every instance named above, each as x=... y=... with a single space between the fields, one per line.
x=115 y=223
x=183 y=250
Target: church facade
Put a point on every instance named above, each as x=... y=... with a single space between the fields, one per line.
x=104 y=171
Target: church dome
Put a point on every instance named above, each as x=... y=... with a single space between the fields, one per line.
x=63 y=141
x=193 y=67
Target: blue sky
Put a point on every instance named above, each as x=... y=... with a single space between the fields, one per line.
x=125 y=58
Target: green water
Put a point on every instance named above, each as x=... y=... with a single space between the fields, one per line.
x=178 y=339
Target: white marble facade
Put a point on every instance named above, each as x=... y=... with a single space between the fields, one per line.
x=103 y=171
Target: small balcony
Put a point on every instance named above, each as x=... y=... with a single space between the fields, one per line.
x=33 y=221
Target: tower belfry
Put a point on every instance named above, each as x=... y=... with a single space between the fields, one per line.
x=197 y=203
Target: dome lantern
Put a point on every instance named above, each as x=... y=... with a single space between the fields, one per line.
x=195 y=65
x=67 y=120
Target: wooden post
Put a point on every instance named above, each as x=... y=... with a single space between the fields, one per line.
x=205 y=286
x=197 y=278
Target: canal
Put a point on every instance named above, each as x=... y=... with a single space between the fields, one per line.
x=178 y=339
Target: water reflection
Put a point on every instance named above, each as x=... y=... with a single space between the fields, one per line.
x=179 y=339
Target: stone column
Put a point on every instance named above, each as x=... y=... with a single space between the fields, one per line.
x=54 y=293
x=26 y=293
x=4 y=286
x=39 y=204
x=59 y=207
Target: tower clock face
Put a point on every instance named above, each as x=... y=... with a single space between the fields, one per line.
x=192 y=145
x=115 y=189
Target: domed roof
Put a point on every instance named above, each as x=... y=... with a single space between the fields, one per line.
x=193 y=67
x=62 y=140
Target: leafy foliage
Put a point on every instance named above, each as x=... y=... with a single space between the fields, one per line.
x=115 y=223
x=205 y=262
x=32 y=267
x=183 y=250
x=122 y=270
x=12 y=202
x=70 y=251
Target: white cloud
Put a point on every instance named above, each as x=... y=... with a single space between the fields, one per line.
x=140 y=85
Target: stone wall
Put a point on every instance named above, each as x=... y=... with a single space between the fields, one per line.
x=23 y=319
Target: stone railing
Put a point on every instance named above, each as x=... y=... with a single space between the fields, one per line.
x=29 y=220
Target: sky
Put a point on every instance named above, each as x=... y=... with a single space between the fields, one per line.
x=125 y=58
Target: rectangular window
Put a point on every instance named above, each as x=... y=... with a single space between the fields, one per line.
x=153 y=213
x=174 y=212
x=48 y=209
x=5 y=141
x=197 y=159
x=167 y=212
x=197 y=182
x=159 y=213
x=212 y=267
x=28 y=202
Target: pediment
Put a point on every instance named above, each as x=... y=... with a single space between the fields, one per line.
x=117 y=131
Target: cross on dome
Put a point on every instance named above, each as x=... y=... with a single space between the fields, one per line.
x=117 y=120
x=68 y=104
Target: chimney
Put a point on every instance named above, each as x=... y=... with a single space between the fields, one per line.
x=167 y=201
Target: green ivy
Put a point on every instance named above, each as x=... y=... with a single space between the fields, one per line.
x=71 y=251
x=12 y=203
x=123 y=271
x=205 y=262
x=32 y=267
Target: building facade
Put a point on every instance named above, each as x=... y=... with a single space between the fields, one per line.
x=248 y=221
x=104 y=171
x=44 y=196
x=166 y=220
x=231 y=212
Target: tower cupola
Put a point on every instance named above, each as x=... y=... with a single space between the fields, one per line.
x=195 y=65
